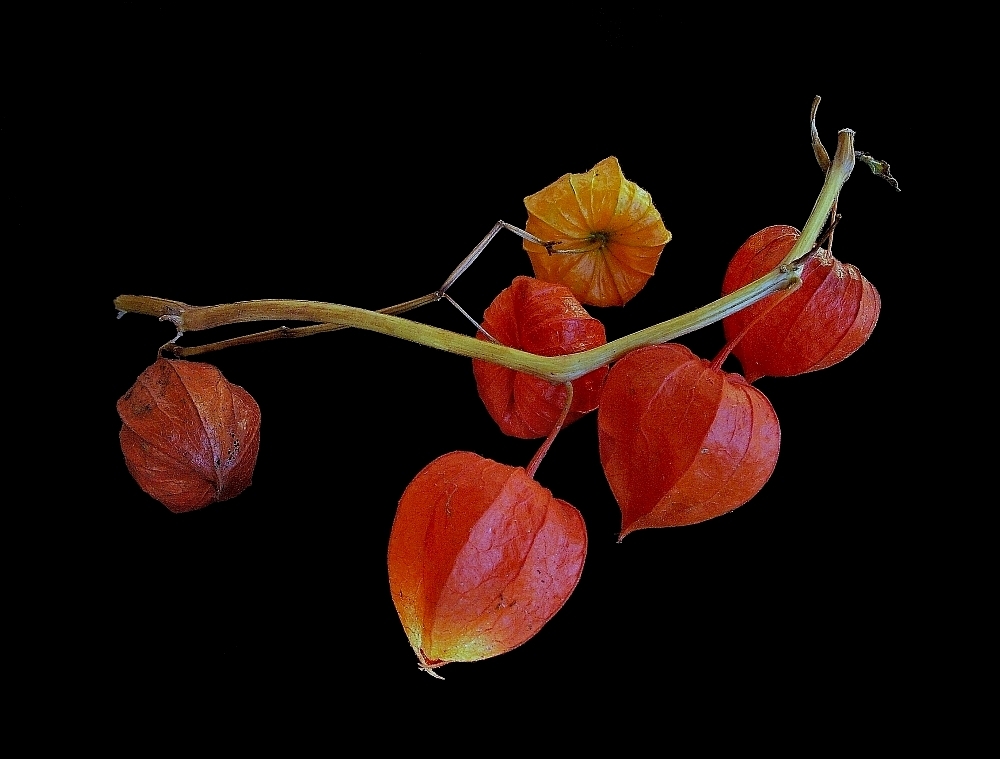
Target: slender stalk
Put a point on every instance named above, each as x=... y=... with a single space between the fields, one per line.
x=553 y=368
x=843 y=165
x=285 y=333
x=550 y=438
x=559 y=369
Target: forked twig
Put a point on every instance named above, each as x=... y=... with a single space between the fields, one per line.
x=280 y=333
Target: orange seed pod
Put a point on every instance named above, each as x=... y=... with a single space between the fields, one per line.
x=611 y=234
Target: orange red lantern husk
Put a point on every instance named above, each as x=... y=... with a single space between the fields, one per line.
x=830 y=316
x=480 y=558
x=190 y=437
x=611 y=224
x=681 y=441
x=547 y=320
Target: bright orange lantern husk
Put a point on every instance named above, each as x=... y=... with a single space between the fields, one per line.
x=615 y=234
x=480 y=558
x=544 y=319
x=680 y=440
x=830 y=315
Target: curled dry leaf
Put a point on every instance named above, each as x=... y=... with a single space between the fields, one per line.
x=480 y=557
x=831 y=315
x=680 y=441
x=611 y=234
x=190 y=437
x=544 y=319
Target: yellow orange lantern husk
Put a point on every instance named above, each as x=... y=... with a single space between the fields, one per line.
x=609 y=235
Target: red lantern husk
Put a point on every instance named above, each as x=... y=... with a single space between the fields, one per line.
x=831 y=315
x=680 y=441
x=190 y=437
x=547 y=320
x=480 y=557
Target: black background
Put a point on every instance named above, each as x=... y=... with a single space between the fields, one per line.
x=237 y=159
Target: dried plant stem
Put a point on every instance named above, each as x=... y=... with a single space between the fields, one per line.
x=839 y=171
x=822 y=157
x=550 y=438
x=552 y=368
x=283 y=333
x=560 y=369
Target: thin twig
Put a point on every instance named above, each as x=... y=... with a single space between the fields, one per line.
x=537 y=458
x=185 y=351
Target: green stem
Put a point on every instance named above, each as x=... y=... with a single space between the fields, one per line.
x=552 y=368
x=843 y=165
x=186 y=351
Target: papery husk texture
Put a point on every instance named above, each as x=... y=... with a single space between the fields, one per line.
x=190 y=437
x=830 y=315
x=480 y=558
x=547 y=320
x=681 y=442
x=611 y=220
